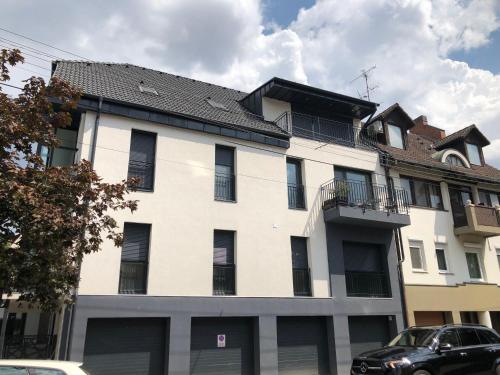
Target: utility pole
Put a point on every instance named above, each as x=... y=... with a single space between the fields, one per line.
x=365 y=73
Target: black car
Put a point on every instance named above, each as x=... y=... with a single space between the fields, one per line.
x=450 y=349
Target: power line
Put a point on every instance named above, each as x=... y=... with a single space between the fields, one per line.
x=15 y=87
x=44 y=44
x=25 y=53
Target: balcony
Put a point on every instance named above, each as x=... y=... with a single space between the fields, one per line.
x=225 y=187
x=30 y=347
x=357 y=203
x=325 y=130
x=296 y=196
x=301 y=282
x=367 y=284
x=223 y=280
x=478 y=220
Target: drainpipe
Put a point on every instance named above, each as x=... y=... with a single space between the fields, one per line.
x=399 y=249
x=70 y=309
x=96 y=129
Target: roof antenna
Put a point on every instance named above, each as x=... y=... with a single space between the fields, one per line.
x=365 y=73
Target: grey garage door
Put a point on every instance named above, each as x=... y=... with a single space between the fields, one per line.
x=302 y=346
x=368 y=332
x=126 y=346
x=237 y=355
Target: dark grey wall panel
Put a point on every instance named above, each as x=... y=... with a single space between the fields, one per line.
x=126 y=346
x=238 y=355
x=302 y=346
x=368 y=333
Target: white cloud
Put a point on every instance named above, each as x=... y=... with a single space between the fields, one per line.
x=224 y=41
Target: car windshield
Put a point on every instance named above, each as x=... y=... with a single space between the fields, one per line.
x=418 y=337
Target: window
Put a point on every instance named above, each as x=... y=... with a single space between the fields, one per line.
x=454 y=160
x=224 y=174
x=223 y=263
x=13 y=370
x=498 y=258
x=300 y=267
x=45 y=371
x=141 y=164
x=295 y=187
x=422 y=193
x=449 y=337
x=417 y=257
x=353 y=186
x=473 y=153
x=135 y=254
x=441 y=260
x=487 y=337
x=488 y=198
x=395 y=136
x=468 y=336
x=473 y=265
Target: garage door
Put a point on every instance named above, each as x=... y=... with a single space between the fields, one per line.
x=222 y=346
x=302 y=346
x=368 y=332
x=429 y=318
x=126 y=346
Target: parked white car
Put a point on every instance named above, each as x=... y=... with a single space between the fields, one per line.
x=40 y=367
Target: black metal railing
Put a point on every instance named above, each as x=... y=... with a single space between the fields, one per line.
x=367 y=196
x=143 y=171
x=224 y=279
x=225 y=187
x=367 y=284
x=296 y=196
x=30 y=347
x=301 y=282
x=133 y=277
x=325 y=130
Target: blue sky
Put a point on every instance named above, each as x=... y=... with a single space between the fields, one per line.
x=283 y=12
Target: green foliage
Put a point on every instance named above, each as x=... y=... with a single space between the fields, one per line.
x=49 y=217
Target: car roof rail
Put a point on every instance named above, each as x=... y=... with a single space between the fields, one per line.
x=452 y=325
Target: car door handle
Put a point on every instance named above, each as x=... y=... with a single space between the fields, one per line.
x=463 y=354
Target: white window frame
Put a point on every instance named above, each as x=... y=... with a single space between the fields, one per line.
x=420 y=246
x=392 y=142
x=446 y=258
x=480 y=261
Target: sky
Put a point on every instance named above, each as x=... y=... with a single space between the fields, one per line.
x=439 y=58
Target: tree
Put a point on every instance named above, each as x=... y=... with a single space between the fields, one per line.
x=50 y=217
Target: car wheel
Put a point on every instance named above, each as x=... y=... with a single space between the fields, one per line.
x=421 y=372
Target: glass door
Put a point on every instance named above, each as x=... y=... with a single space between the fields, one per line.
x=459 y=195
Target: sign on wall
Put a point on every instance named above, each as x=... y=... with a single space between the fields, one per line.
x=221 y=341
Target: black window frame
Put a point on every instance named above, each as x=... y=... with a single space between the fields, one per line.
x=145 y=262
x=225 y=184
x=301 y=276
x=488 y=193
x=224 y=270
x=152 y=165
x=445 y=260
x=427 y=184
x=296 y=191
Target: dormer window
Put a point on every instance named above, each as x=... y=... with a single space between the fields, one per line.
x=454 y=160
x=395 y=136
x=473 y=154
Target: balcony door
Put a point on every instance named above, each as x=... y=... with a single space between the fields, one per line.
x=355 y=185
x=459 y=195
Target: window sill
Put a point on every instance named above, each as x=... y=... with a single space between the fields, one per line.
x=428 y=208
x=141 y=190
x=446 y=273
x=419 y=271
x=224 y=200
x=297 y=208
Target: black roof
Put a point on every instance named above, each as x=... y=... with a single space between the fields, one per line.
x=175 y=94
x=462 y=134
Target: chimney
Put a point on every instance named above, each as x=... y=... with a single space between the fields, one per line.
x=423 y=128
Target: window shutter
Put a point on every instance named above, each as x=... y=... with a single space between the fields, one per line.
x=299 y=252
x=135 y=242
x=224 y=156
x=223 y=247
x=142 y=158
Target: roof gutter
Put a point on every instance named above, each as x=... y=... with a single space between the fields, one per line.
x=96 y=129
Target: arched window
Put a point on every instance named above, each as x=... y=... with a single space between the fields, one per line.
x=454 y=160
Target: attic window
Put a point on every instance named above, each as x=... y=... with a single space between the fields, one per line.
x=217 y=105
x=473 y=154
x=395 y=136
x=147 y=89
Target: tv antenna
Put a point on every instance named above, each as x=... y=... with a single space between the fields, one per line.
x=365 y=73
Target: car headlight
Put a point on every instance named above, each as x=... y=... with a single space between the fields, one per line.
x=397 y=363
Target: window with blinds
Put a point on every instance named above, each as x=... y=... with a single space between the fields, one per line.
x=141 y=163
x=135 y=255
x=223 y=263
x=225 y=181
x=300 y=267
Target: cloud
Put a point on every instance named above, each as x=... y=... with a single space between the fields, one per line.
x=226 y=42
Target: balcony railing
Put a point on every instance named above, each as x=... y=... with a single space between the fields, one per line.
x=225 y=187
x=325 y=130
x=367 y=196
x=223 y=279
x=475 y=219
x=30 y=347
x=487 y=216
x=296 y=196
x=133 y=277
x=367 y=284
x=301 y=282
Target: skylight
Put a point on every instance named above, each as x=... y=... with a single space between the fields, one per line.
x=217 y=105
x=147 y=89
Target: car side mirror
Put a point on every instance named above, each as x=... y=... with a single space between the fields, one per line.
x=444 y=347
